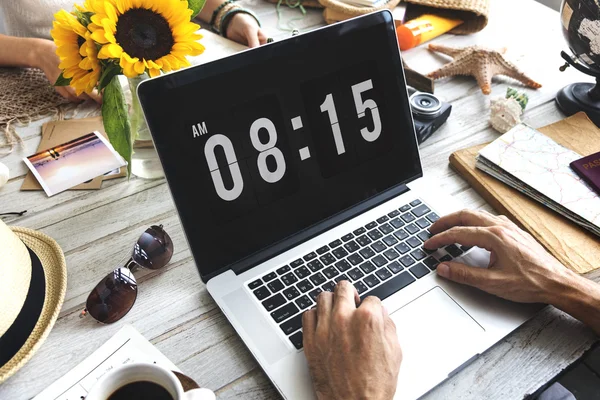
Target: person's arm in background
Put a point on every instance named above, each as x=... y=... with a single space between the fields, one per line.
x=242 y=27
x=520 y=268
x=34 y=53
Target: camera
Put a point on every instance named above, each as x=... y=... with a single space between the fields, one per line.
x=429 y=113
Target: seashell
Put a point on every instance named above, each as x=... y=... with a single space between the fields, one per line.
x=3 y=174
x=505 y=114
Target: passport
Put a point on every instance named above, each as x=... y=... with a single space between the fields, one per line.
x=588 y=168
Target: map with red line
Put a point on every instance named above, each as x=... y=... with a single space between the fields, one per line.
x=539 y=167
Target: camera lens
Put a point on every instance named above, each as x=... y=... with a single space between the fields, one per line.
x=425 y=104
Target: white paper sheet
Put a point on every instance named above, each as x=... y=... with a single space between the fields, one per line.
x=126 y=346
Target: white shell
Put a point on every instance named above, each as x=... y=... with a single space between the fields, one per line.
x=505 y=114
x=3 y=174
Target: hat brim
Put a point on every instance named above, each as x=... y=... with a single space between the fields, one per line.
x=54 y=267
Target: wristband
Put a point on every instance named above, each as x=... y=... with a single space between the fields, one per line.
x=226 y=18
x=217 y=27
x=214 y=14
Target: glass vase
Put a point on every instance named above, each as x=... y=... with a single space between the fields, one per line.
x=144 y=161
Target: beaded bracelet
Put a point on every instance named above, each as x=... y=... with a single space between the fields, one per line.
x=226 y=18
x=214 y=14
x=217 y=27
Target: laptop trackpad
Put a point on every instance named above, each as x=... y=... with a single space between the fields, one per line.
x=436 y=336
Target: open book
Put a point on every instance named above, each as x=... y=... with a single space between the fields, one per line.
x=537 y=166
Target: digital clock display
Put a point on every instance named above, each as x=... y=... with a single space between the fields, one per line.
x=270 y=142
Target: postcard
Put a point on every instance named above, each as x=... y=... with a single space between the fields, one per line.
x=76 y=161
x=58 y=132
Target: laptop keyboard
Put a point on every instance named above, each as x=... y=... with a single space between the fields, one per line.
x=384 y=256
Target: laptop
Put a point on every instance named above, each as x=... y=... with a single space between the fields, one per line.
x=294 y=166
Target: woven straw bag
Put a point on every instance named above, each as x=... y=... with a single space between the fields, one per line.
x=474 y=13
x=337 y=11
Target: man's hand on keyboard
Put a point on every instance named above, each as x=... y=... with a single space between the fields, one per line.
x=352 y=352
x=520 y=268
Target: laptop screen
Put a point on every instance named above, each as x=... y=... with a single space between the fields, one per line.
x=262 y=145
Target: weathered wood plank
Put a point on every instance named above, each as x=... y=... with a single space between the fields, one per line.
x=174 y=310
x=253 y=385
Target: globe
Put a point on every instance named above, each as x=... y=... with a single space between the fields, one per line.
x=581 y=28
x=580 y=21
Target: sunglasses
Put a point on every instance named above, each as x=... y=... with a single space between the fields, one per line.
x=114 y=295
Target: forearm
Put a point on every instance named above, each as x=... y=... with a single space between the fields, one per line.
x=207 y=11
x=580 y=298
x=18 y=52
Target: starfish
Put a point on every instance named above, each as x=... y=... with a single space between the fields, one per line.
x=480 y=62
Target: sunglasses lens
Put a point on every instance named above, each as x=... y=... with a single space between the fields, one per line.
x=153 y=249
x=113 y=297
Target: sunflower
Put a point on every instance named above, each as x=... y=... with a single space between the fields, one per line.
x=144 y=35
x=77 y=52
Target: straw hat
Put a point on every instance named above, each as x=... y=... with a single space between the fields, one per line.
x=32 y=289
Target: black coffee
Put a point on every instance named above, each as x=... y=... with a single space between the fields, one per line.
x=142 y=390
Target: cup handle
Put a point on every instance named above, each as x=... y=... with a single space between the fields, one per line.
x=199 y=394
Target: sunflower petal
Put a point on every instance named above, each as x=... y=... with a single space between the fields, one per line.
x=164 y=64
x=123 y=5
x=99 y=36
x=97 y=19
x=152 y=64
x=68 y=62
x=139 y=67
x=86 y=64
x=184 y=29
x=153 y=72
x=66 y=50
x=130 y=59
x=111 y=11
x=130 y=72
x=109 y=26
x=110 y=50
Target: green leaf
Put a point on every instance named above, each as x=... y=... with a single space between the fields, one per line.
x=196 y=6
x=116 y=120
x=110 y=71
x=84 y=18
x=521 y=98
x=62 y=81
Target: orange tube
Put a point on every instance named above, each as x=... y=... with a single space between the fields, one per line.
x=423 y=29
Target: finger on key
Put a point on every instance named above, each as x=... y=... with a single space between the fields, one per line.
x=309 y=325
x=466 y=236
x=345 y=297
x=324 y=308
x=463 y=218
x=373 y=305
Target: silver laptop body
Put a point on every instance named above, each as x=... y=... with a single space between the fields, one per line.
x=375 y=243
x=429 y=313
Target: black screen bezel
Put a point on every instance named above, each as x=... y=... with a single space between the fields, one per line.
x=152 y=90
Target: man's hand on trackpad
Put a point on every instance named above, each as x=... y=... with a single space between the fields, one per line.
x=520 y=268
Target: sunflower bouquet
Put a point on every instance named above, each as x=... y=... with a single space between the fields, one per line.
x=103 y=39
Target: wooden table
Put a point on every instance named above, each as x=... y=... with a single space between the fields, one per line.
x=97 y=229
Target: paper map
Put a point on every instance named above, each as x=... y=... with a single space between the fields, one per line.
x=536 y=165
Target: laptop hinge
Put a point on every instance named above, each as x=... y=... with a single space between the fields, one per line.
x=315 y=230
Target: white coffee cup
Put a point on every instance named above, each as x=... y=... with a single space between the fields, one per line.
x=136 y=372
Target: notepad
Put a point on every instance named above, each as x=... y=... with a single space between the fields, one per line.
x=537 y=166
